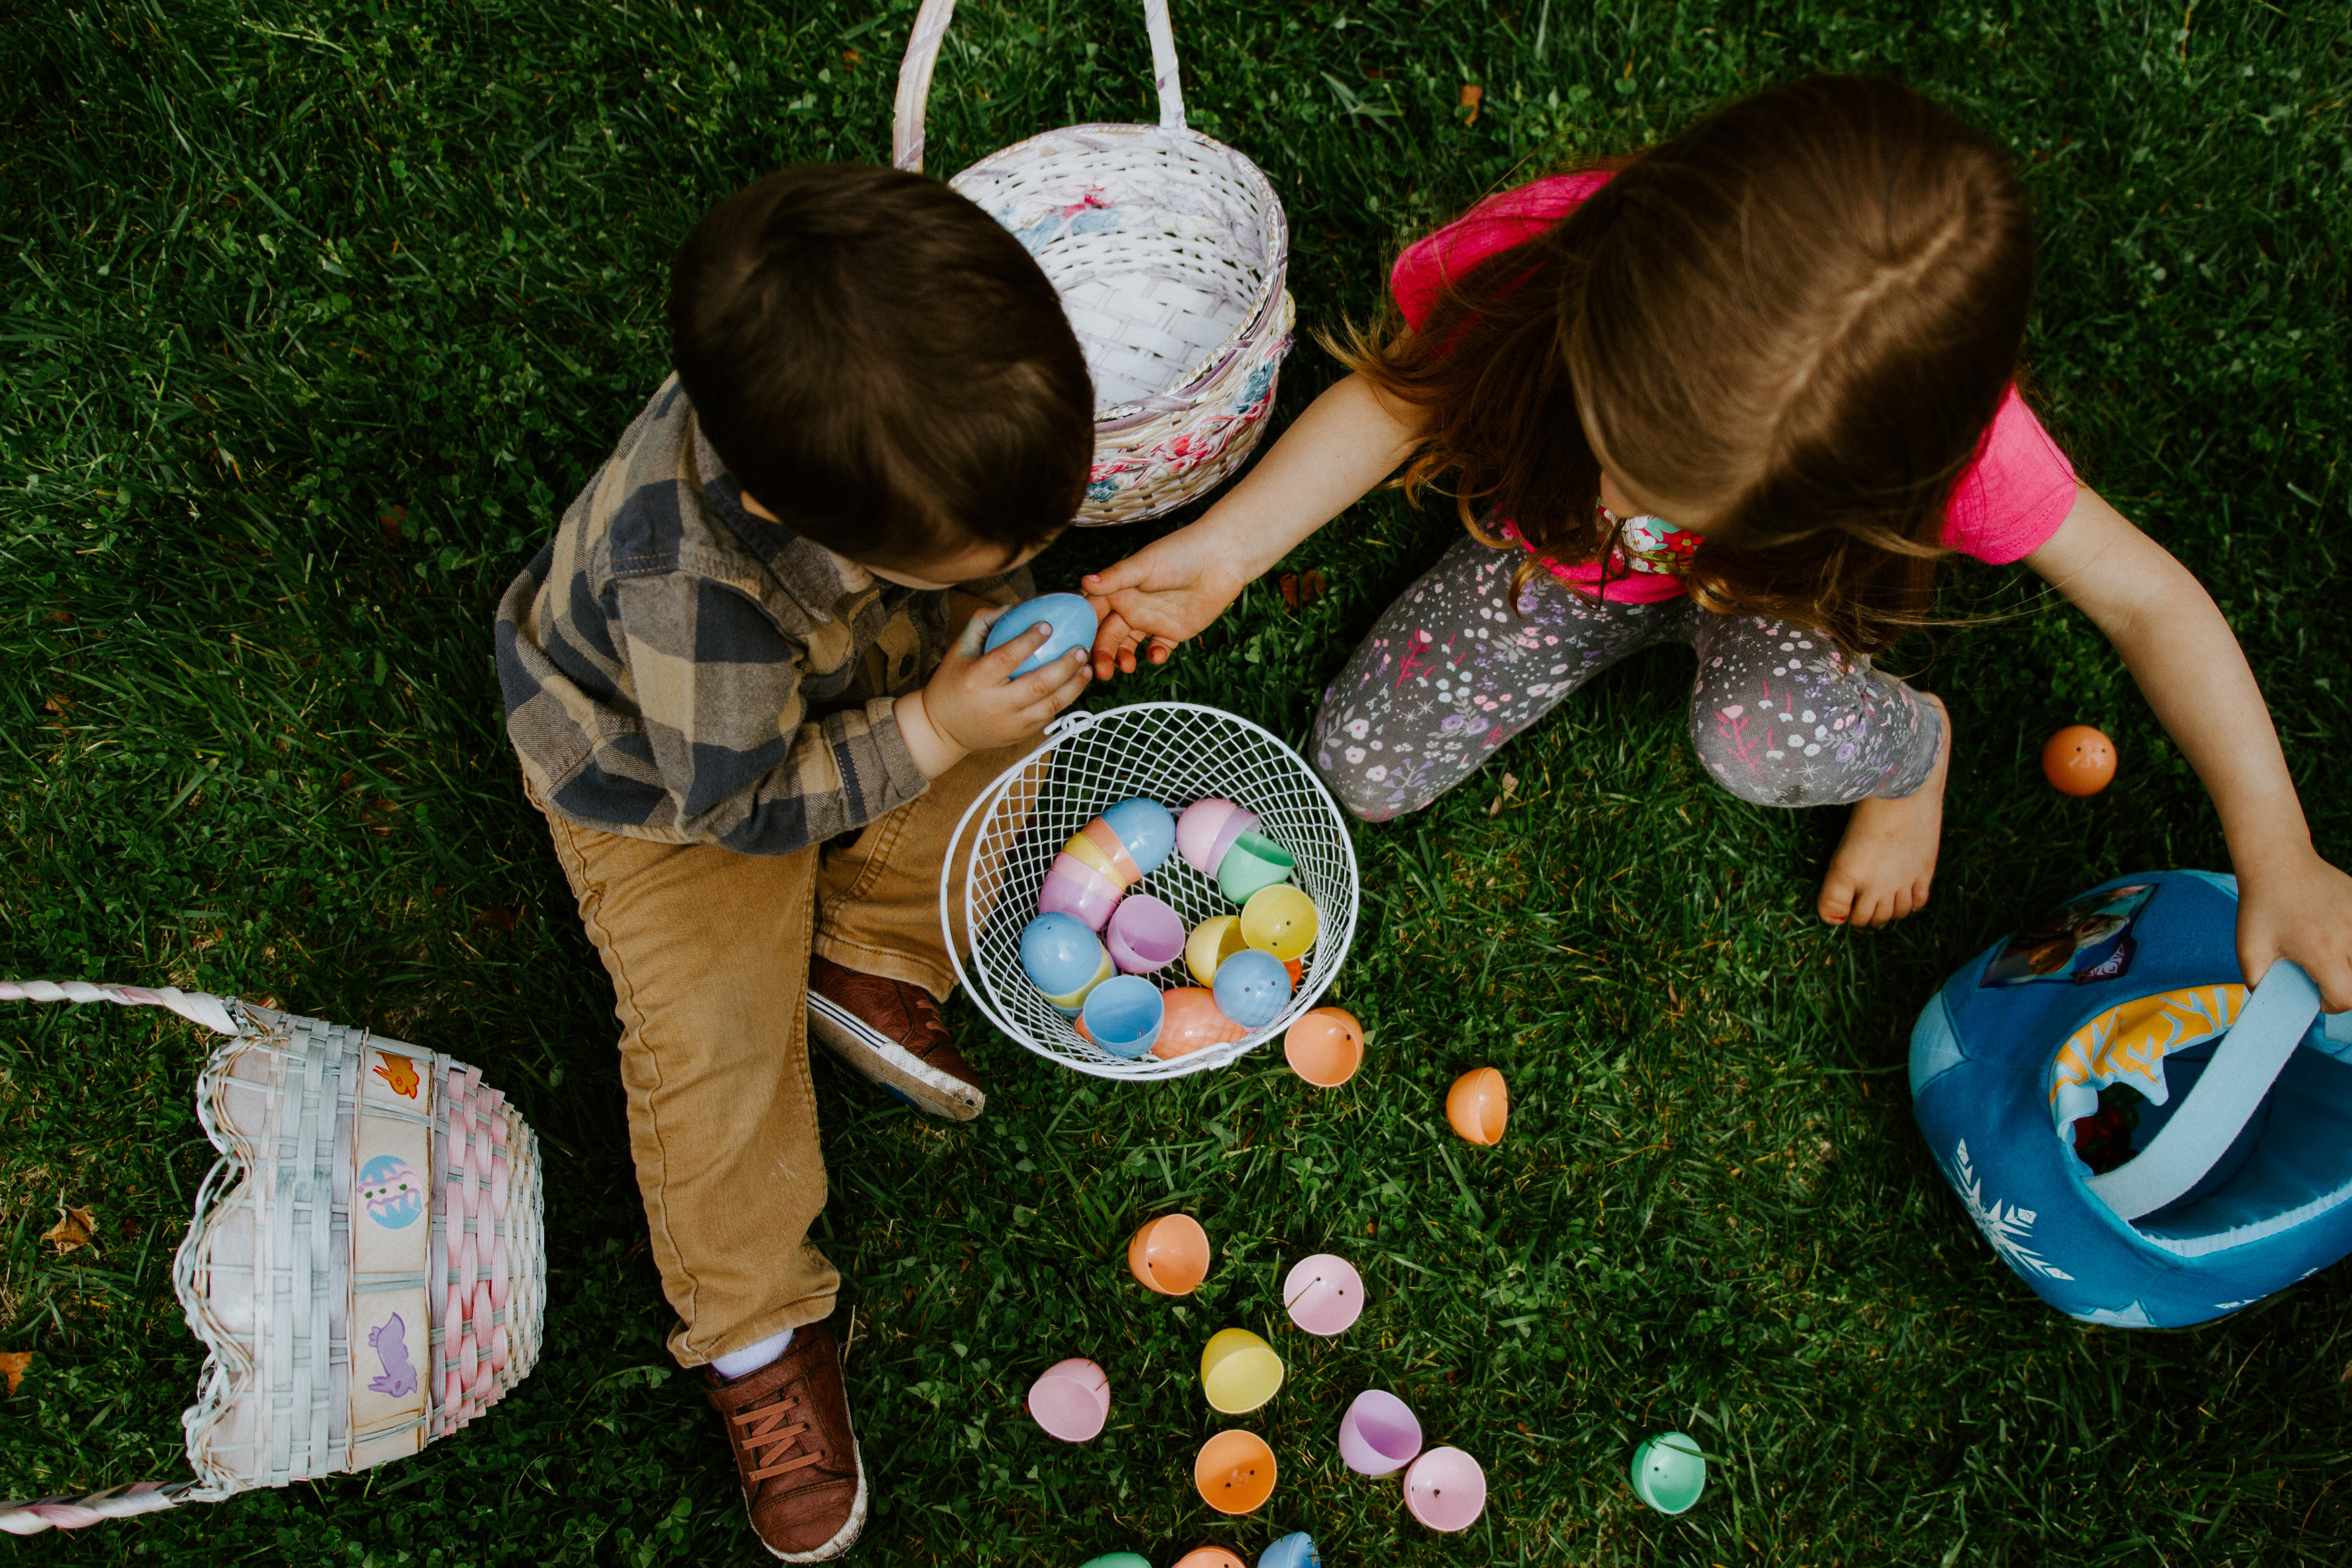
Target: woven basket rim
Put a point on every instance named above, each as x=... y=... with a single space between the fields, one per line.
x=1271 y=286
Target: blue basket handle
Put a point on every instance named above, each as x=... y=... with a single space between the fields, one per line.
x=2244 y=1065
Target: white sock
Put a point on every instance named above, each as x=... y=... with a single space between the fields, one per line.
x=752 y=1357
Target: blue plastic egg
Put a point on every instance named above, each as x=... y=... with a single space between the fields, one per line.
x=1071 y=617
x=1252 y=988
x=1147 y=828
x=1296 y=1550
x=1059 y=954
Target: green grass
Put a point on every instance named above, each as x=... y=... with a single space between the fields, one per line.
x=314 y=317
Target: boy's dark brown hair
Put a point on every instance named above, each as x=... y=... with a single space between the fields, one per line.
x=881 y=365
x=1794 y=321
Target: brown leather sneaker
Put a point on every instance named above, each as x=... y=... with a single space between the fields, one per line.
x=803 y=1484
x=892 y=1033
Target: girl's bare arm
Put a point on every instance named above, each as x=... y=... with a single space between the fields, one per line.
x=2292 y=904
x=1348 y=441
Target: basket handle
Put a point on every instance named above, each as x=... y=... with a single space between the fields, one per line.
x=196 y=1007
x=2224 y=1099
x=923 y=54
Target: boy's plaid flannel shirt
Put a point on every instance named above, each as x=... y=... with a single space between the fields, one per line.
x=678 y=669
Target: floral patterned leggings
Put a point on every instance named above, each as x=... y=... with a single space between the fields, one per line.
x=1450 y=673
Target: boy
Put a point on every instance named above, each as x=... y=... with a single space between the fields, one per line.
x=745 y=681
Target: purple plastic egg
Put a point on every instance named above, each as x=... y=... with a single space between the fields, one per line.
x=1197 y=830
x=1145 y=934
x=1075 y=888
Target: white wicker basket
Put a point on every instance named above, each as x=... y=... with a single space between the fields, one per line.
x=1175 y=753
x=367 y=1264
x=1170 y=251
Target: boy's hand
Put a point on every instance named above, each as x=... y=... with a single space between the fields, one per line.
x=971 y=703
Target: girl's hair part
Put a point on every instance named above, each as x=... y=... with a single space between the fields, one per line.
x=1793 y=323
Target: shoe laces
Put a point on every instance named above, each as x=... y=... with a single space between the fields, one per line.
x=765 y=1433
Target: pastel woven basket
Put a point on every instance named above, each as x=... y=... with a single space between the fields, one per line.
x=366 y=1268
x=1170 y=251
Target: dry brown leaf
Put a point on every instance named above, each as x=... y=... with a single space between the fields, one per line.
x=851 y=57
x=1472 y=94
x=13 y=1366
x=75 y=1227
x=1511 y=785
x=390 y=523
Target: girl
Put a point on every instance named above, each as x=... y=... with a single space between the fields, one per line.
x=1739 y=391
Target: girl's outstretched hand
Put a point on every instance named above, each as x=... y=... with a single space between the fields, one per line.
x=2295 y=906
x=1171 y=590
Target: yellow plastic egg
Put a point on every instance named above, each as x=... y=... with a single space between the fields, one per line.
x=1280 y=920
x=1212 y=942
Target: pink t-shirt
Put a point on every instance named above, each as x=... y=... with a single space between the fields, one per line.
x=2006 y=506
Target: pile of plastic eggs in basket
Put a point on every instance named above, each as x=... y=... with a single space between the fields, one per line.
x=1095 y=940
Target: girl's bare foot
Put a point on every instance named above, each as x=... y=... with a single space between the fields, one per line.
x=1887 y=858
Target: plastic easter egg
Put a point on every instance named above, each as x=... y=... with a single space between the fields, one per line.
x=1070 y=616
x=2079 y=760
x=1123 y=1016
x=1229 y=834
x=1380 y=1435
x=1123 y=869
x=1197 y=829
x=1071 y=1400
x=1072 y=887
x=1323 y=1294
x=1145 y=933
x=1146 y=828
x=1118 y=1559
x=1192 y=1023
x=1669 y=1473
x=1280 y=920
x=1170 y=1254
x=1325 y=1047
x=1478 y=1105
x=1254 y=861
x=1212 y=941
x=1252 y=987
x=1239 y=1371
x=1111 y=864
x=1210 y=1557
x=1296 y=1550
x=1062 y=960
x=1234 y=1472
x=1445 y=1489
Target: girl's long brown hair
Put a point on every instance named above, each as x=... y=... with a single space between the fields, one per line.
x=1795 y=320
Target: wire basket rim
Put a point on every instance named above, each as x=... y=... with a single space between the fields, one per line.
x=1149 y=1068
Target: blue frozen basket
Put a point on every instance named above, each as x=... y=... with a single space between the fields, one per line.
x=2146 y=1141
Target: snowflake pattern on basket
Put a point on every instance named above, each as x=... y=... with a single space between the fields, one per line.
x=2006 y=1226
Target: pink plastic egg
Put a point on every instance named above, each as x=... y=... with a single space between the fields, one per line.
x=1197 y=830
x=1074 y=888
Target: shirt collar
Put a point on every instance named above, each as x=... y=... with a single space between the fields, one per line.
x=818 y=580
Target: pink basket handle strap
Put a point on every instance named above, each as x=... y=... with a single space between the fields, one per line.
x=923 y=55
x=196 y=1007
x=34 y=1515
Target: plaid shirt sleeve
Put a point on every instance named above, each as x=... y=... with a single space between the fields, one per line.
x=722 y=691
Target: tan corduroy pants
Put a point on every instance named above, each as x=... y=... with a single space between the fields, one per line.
x=709 y=952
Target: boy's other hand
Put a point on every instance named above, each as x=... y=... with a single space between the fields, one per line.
x=972 y=703
x=1171 y=590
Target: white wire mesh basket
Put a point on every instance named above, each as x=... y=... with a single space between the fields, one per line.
x=367 y=1264
x=1170 y=251
x=1174 y=753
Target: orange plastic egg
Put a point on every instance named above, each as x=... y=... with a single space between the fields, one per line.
x=2079 y=760
x=1235 y=1473
x=1325 y=1047
x=1478 y=1105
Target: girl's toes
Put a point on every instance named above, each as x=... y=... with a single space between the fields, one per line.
x=1836 y=902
